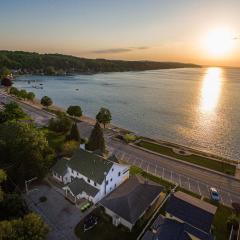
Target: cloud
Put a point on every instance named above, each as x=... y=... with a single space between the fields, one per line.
x=119 y=50
x=112 y=50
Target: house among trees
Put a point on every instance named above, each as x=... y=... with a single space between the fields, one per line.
x=186 y=218
x=90 y=176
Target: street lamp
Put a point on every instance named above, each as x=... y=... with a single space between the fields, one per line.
x=29 y=181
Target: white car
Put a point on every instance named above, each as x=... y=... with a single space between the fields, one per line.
x=214 y=194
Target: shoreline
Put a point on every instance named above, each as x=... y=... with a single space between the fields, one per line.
x=122 y=130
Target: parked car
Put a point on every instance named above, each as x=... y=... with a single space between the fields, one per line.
x=214 y=194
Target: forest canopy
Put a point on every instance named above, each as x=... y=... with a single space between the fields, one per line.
x=53 y=64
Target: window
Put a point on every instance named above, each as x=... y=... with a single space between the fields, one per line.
x=119 y=174
x=111 y=180
x=72 y=171
x=110 y=189
x=95 y=184
x=89 y=180
x=107 y=182
x=112 y=169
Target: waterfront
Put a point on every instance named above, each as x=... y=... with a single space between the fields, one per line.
x=193 y=107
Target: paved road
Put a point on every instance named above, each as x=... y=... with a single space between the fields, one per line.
x=39 y=116
x=189 y=177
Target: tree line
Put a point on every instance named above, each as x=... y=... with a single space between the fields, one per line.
x=53 y=64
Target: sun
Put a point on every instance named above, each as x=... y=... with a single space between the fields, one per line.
x=219 y=42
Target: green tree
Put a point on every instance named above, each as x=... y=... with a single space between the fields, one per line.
x=30 y=96
x=74 y=133
x=3 y=177
x=46 y=101
x=12 y=111
x=14 y=91
x=12 y=206
x=75 y=111
x=34 y=227
x=31 y=227
x=69 y=148
x=23 y=94
x=5 y=72
x=26 y=149
x=50 y=71
x=96 y=140
x=104 y=116
x=61 y=123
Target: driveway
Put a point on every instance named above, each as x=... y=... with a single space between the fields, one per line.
x=61 y=215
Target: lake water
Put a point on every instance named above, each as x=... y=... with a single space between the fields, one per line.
x=195 y=107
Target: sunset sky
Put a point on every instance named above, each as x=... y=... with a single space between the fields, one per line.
x=199 y=31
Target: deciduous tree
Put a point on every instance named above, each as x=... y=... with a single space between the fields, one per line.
x=104 y=116
x=46 y=101
x=75 y=111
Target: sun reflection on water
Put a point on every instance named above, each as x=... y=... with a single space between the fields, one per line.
x=211 y=90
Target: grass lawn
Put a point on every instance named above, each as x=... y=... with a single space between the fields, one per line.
x=220 y=220
x=107 y=231
x=196 y=159
x=188 y=192
x=136 y=170
x=55 y=140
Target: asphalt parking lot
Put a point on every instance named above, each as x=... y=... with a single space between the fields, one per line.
x=60 y=215
x=186 y=182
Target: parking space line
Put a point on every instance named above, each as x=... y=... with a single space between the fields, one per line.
x=180 y=182
x=141 y=163
x=199 y=189
x=189 y=185
x=156 y=170
x=163 y=173
x=230 y=197
x=147 y=168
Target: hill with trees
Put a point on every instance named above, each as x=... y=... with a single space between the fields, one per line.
x=58 y=64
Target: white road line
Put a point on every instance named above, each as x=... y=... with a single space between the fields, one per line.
x=229 y=195
x=199 y=189
x=180 y=182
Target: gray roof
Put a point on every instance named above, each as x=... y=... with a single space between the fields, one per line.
x=90 y=165
x=78 y=185
x=191 y=210
x=132 y=198
x=60 y=166
x=171 y=229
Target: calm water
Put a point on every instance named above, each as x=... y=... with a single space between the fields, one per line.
x=195 y=107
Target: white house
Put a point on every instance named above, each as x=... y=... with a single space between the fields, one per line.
x=90 y=176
